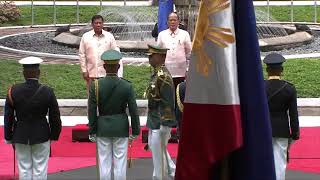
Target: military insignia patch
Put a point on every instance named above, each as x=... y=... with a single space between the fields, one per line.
x=160 y=73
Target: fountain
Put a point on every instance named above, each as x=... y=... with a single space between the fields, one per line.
x=132 y=31
x=272 y=37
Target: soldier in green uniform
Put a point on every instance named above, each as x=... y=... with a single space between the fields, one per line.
x=161 y=113
x=108 y=121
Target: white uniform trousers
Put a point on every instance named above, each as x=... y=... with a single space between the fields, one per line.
x=280 y=146
x=112 y=149
x=33 y=160
x=154 y=141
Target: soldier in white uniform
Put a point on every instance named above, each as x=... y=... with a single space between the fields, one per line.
x=25 y=122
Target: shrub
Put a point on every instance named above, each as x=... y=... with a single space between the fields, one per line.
x=8 y=11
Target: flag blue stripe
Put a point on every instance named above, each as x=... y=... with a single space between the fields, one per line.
x=255 y=160
x=165 y=8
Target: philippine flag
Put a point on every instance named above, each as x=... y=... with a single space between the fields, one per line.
x=225 y=112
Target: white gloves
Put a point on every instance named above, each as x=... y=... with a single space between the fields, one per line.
x=92 y=137
x=132 y=137
x=7 y=142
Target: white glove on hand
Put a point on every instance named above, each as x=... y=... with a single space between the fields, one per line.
x=132 y=137
x=92 y=137
x=7 y=142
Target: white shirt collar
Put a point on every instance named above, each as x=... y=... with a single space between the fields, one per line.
x=102 y=34
x=174 y=32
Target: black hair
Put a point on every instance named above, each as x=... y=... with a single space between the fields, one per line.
x=31 y=72
x=96 y=17
x=274 y=71
x=111 y=68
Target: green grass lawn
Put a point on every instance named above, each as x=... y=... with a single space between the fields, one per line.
x=283 y=13
x=67 y=14
x=67 y=82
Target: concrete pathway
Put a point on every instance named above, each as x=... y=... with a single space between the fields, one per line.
x=15 y=54
x=304 y=121
x=142 y=170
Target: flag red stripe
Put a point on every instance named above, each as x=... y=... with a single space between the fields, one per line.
x=208 y=133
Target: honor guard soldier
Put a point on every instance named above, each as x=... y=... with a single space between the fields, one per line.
x=161 y=114
x=108 y=121
x=25 y=122
x=282 y=100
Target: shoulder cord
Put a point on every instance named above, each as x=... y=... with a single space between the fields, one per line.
x=277 y=91
x=10 y=96
x=180 y=105
x=96 y=88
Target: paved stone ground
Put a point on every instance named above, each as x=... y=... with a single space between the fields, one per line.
x=16 y=56
x=82 y=111
x=50 y=60
x=142 y=170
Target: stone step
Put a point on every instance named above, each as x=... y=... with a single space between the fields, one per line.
x=78 y=107
x=304 y=121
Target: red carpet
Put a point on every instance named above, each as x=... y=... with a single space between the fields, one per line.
x=308 y=146
x=67 y=155
x=305 y=153
x=66 y=148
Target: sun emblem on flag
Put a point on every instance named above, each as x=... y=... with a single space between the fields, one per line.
x=206 y=30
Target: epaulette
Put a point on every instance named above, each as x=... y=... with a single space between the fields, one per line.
x=160 y=73
x=125 y=80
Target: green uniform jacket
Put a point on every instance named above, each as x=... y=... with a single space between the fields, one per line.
x=114 y=96
x=160 y=93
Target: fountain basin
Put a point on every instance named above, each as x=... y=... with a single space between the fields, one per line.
x=71 y=40
x=285 y=42
x=41 y=45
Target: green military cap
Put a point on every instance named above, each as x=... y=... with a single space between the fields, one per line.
x=111 y=56
x=155 y=49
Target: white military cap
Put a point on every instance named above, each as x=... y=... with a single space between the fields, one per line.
x=31 y=61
